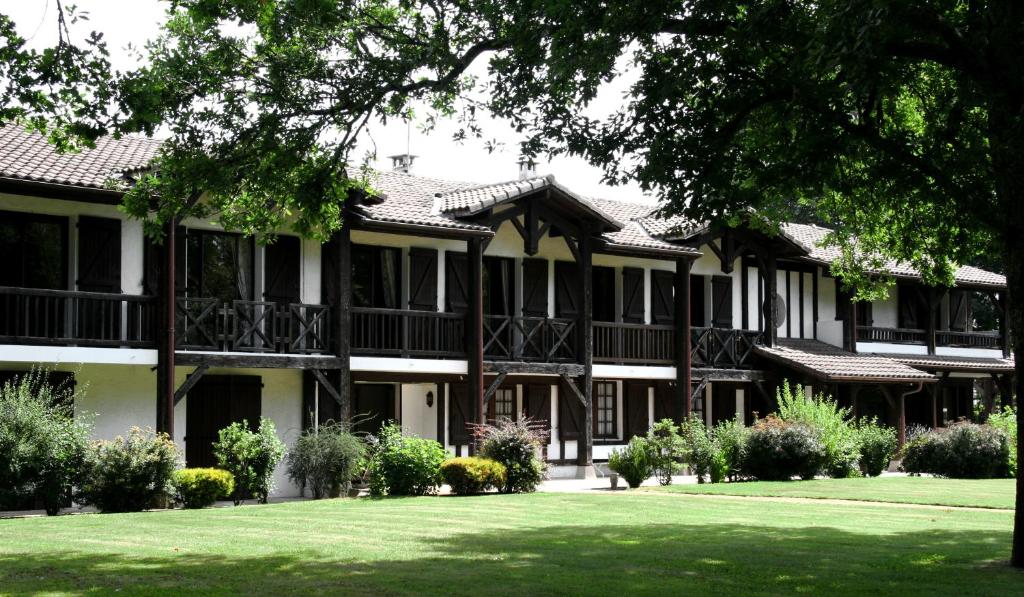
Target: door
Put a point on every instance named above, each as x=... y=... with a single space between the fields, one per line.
x=632 y=295
x=662 y=305
x=99 y=270
x=636 y=409
x=723 y=403
x=373 y=405
x=215 y=402
x=537 y=405
x=281 y=269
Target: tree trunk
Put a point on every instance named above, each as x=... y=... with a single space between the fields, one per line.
x=1015 y=284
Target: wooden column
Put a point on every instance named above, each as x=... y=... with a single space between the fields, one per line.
x=442 y=417
x=771 y=333
x=475 y=329
x=1004 y=322
x=683 y=402
x=343 y=320
x=932 y=301
x=584 y=449
x=167 y=339
x=902 y=427
x=935 y=406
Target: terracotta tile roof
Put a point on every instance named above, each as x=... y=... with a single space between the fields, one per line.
x=811 y=237
x=28 y=156
x=833 y=364
x=954 y=363
x=408 y=199
x=634 y=233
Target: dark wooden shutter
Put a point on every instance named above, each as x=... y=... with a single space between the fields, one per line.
x=329 y=410
x=664 y=400
x=281 y=268
x=460 y=411
x=329 y=272
x=570 y=413
x=538 y=404
x=373 y=405
x=959 y=310
x=632 y=295
x=865 y=313
x=697 y=301
x=721 y=301
x=567 y=289
x=908 y=307
x=723 y=403
x=662 y=307
x=843 y=300
x=422 y=279
x=99 y=254
x=535 y=287
x=214 y=403
x=456 y=282
x=636 y=409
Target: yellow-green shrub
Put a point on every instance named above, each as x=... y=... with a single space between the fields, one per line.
x=470 y=475
x=201 y=487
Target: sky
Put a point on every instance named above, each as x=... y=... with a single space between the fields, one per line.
x=125 y=22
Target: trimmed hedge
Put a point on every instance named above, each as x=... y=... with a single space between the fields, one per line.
x=961 y=451
x=778 y=451
x=471 y=475
x=201 y=487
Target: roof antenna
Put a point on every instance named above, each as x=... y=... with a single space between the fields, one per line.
x=403 y=162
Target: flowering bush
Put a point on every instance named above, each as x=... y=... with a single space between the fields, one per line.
x=515 y=444
x=130 y=474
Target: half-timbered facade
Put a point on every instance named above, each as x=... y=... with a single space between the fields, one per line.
x=442 y=303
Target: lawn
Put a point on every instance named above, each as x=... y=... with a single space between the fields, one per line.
x=544 y=543
x=984 y=493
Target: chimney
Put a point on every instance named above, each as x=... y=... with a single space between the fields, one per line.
x=402 y=162
x=527 y=168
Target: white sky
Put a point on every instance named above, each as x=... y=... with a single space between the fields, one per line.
x=126 y=22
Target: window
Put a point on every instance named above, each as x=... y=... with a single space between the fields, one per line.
x=502 y=406
x=604 y=409
x=376 y=277
x=35 y=251
x=219 y=265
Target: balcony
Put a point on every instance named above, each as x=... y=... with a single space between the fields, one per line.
x=722 y=348
x=408 y=334
x=206 y=324
x=530 y=339
x=633 y=343
x=979 y=339
x=69 y=318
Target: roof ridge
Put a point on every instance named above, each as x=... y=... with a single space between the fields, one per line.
x=550 y=178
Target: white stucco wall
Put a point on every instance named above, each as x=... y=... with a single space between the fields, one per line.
x=417 y=418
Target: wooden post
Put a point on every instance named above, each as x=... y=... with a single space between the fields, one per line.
x=441 y=415
x=935 y=406
x=1004 y=323
x=584 y=449
x=343 y=320
x=771 y=333
x=932 y=299
x=475 y=329
x=683 y=402
x=902 y=420
x=167 y=340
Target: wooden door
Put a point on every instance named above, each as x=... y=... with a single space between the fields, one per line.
x=721 y=302
x=373 y=405
x=662 y=305
x=460 y=414
x=632 y=295
x=570 y=413
x=281 y=269
x=99 y=270
x=422 y=279
x=636 y=409
x=538 y=404
x=535 y=287
x=214 y=403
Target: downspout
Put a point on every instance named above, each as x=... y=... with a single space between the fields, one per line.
x=903 y=413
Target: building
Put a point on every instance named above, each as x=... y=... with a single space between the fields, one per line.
x=443 y=303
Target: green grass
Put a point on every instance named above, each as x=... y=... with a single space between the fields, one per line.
x=982 y=493
x=591 y=544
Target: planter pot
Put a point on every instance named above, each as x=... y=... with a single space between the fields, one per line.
x=614 y=479
x=353 y=492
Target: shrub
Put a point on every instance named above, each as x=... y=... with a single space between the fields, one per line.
x=963 y=451
x=42 y=447
x=830 y=423
x=730 y=441
x=326 y=460
x=1006 y=421
x=668 y=450
x=201 y=487
x=472 y=475
x=635 y=462
x=515 y=444
x=778 y=450
x=877 y=445
x=698 y=447
x=405 y=465
x=130 y=474
x=250 y=456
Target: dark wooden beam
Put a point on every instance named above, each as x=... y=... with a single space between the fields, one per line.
x=932 y=300
x=327 y=385
x=491 y=389
x=442 y=419
x=740 y=375
x=190 y=381
x=681 y=300
x=574 y=389
x=168 y=340
x=258 y=361
x=475 y=328
x=1004 y=323
x=519 y=367
x=343 y=320
x=770 y=336
x=700 y=388
x=584 y=450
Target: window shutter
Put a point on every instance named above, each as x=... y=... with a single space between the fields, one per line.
x=567 y=288
x=664 y=397
x=907 y=297
x=959 y=310
x=535 y=287
x=843 y=299
x=865 y=313
x=329 y=272
x=636 y=409
x=570 y=413
x=423 y=279
x=662 y=308
x=538 y=404
x=99 y=254
x=459 y=414
x=632 y=295
x=697 y=301
x=281 y=268
x=721 y=302
x=456 y=282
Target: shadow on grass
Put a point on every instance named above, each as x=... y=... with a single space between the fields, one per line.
x=664 y=559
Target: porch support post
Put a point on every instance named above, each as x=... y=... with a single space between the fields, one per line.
x=584 y=451
x=1004 y=322
x=475 y=329
x=343 y=318
x=902 y=406
x=683 y=403
x=771 y=284
x=167 y=339
x=933 y=298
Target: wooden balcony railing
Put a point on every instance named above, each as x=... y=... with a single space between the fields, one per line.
x=541 y=339
x=722 y=348
x=63 y=317
x=890 y=335
x=991 y=340
x=405 y=333
x=206 y=324
x=633 y=343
